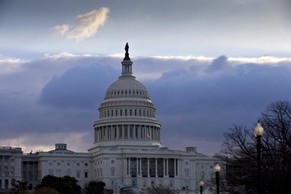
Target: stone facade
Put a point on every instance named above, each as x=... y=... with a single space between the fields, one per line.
x=10 y=166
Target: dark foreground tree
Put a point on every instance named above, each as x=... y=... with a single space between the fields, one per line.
x=95 y=187
x=239 y=153
x=160 y=190
x=45 y=190
x=18 y=187
x=64 y=185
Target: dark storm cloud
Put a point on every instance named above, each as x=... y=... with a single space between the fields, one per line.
x=205 y=106
x=80 y=87
x=197 y=100
x=22 y=114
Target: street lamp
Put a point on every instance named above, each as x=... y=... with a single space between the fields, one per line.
x=201 y=184
x=258 y=132
x=217 y=169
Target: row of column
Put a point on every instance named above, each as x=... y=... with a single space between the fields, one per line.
x=5 y=183
x=127 y=112
x=29 y=170
x=126 y=132
x=5 y=165
x=152 y=167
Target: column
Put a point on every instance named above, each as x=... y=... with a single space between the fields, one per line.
x=167 y=167
x=164 y=167
x=148 y=167
x=32 y=173
x=138 y=132
x=174 y=167
x=129 y=167
x=140 y=173
x=97 y=134
x=156 y=164
x=114 y=132
x=134 y=130
x=100 y=133
x=117 y=131
x=177 y=167
x=137 y=167
x=122 y=127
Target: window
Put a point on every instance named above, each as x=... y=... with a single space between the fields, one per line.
x=112 y=170
x=50 y=171
x=86 y=175
x=68 y=172
x=59 y=172
x=86 y=164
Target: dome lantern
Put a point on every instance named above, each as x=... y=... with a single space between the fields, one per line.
x=126 y=64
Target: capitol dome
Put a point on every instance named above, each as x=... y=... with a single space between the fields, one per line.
x=127 y=115
x=127 y=86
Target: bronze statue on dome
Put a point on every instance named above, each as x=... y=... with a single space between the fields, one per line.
x=126 y=48
x=126 y=52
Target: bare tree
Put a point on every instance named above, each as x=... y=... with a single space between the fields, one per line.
x=239 y=153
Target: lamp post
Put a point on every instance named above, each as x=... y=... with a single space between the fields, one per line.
x=201 y=184
x=217 y=169
x=258 y=132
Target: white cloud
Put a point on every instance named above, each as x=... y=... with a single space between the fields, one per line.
x=185 y=58
x=61 y=29
x=260 y=60
x=65 y=55
x=10 y=65
x=117 y=55
x=45 y=142
x=87 y=25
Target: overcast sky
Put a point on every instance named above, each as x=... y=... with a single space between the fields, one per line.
x=207 y=64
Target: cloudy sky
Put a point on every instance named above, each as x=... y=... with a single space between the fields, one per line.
x=208 y=64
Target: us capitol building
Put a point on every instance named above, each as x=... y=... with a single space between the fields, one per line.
x=127 y=149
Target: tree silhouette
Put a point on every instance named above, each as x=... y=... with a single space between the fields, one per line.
x=239 y=153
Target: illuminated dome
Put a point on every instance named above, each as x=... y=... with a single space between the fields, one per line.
x=127 y=86
x=127 y=115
